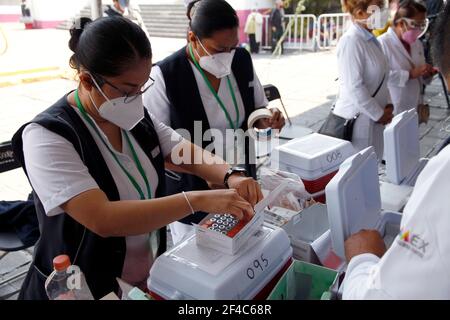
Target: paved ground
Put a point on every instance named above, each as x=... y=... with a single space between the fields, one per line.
x=306 y=82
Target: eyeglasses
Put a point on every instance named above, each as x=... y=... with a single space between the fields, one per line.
x=128 y=97
x=414 y=24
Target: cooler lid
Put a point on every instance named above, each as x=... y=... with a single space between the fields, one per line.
x=315 y=152
x=353 y=198
x=402 y=151
x=188 y=271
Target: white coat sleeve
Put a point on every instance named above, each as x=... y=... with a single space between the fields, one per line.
x=351 y=64
x=359 y=278
x=260 y=96
x=397 y=77
x=54 y=168
x=155 y=98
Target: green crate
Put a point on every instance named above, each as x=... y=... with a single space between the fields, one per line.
x=305 y=281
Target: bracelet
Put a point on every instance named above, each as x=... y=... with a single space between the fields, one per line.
x=188 y=202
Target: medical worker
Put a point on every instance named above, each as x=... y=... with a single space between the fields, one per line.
x=417 y=265
x=401 y=44
x=208 y=89
x=364 y=74
x=96 y=161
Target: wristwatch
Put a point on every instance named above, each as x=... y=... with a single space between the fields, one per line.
x=232 y=171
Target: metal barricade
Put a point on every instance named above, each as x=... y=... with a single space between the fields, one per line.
x=330 y=28
x=300 y=35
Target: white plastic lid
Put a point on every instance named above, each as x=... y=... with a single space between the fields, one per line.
x=402 y=151
x=353 y=198
x=314 y=152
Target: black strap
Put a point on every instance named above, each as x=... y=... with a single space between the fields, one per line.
x=379 y=87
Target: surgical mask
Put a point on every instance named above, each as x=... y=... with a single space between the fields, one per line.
x=414 y=30
x=411 y=36
x=377 y=20
x=219 y=64
x=124 y=115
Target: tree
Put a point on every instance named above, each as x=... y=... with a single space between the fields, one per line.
x=316 y=7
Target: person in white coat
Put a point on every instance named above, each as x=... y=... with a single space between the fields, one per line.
x=405 y=53
x=253 y=28
x=363 y=75
x=417 y=265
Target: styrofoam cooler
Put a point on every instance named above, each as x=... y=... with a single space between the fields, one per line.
x=403 y=162
x=354 y=202
x=189 y=271
x=314 y=158
x=402 y=149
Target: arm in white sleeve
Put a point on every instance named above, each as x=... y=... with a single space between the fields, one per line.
x=351 y=63
x=358 y=276
x=398 y=78
x=260 y=96
x=155 y=98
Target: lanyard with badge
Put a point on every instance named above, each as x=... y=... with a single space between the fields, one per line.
x=133 y=151
x=219 y=101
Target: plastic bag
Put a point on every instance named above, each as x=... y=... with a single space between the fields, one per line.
x=295 y=197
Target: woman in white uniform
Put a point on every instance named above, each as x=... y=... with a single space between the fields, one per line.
x=96 y=160
x=405 y=53
x=209 y=87
x=363 y=75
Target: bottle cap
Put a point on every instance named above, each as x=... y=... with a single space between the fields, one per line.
x=61 y=262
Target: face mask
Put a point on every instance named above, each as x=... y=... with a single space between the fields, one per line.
x=377 y=20
x=411 y=36
x=414 y=30
x=219 y=64
x=123 y=115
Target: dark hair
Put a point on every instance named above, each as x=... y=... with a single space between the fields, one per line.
x=441 y=41
x=209 y=16
x=408 y=9
x=107 y=46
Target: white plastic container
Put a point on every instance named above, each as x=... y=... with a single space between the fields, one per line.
x=306 y=230
x=314 y=158
x=402 y=150
x=354 y=202
x=189 y=271
x=230 y=245
x=226 y=244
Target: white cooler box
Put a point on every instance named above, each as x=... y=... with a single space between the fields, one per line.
x=314 y=158
x=403 y=163
x=354 y=202
x=189 y=271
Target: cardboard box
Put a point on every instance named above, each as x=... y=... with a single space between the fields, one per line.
x=305 y=281
x=307 y=230
x=225 y=243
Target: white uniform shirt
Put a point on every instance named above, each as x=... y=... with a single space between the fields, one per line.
x=58 y=174
x=362 y=66
x=405 y=93
x=417 y=266
x=156 y=101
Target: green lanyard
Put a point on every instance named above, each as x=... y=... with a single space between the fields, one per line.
x=133 y=151
x=221 y=104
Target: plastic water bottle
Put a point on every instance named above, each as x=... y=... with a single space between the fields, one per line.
x=66 y=282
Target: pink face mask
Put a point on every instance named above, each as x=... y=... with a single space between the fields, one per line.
x=411 y=36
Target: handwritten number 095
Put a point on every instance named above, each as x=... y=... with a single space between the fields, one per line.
x=261 y=264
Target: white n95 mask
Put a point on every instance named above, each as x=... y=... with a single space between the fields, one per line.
x=378 y=19
x=124 y=115
x=219 y=64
